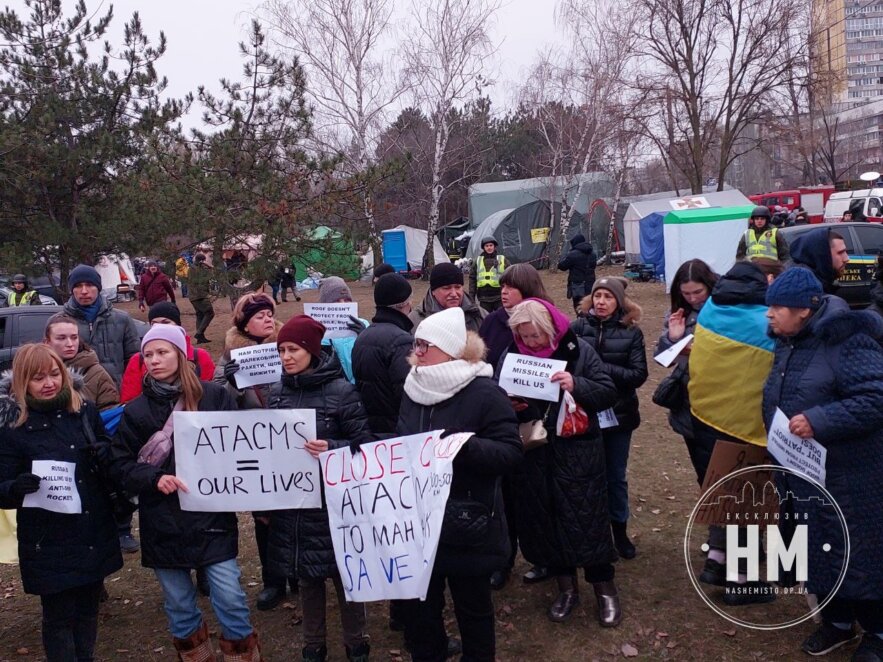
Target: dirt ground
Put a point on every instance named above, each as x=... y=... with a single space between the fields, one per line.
x=664 y=618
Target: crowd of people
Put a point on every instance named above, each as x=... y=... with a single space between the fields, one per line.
x=557 y=493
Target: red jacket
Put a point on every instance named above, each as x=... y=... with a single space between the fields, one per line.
x=153 y=289
x=136 y=369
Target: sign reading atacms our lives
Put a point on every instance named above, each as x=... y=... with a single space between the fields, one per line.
x=247 y=460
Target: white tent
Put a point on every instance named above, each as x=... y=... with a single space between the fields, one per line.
x=115 y=270
x=415 y=247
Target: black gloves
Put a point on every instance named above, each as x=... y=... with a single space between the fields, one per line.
x=355 y=447
x=25 y=484
x=355 y=325
x=230 y=370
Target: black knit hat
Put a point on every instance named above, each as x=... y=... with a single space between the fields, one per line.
x=83 y=273
x=164 y=309
x=383 y=268
x=443 y=274
x=391 y=289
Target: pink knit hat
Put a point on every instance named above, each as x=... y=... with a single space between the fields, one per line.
x=169 y=333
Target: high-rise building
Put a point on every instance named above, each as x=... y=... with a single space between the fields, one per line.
x=828 y=48
x=864 y=50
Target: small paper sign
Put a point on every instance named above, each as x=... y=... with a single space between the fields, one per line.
x=667 y=357
x=530 y=377
x=335 y=317
x=58 y=488
x=607 y=419
x=806 y=456
x=258 y=364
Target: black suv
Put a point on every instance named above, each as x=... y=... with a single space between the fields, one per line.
x=864 y=243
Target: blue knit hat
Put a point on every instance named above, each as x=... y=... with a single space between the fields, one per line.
x=795 y=288
x=83 y=273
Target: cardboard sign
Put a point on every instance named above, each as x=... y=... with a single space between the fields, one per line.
x=530 y=377
x=806 y=456
x=58 y=488
x=258 y=364
x=246 y=460
x=668 y=357
x=727 y=501
x=335 y=317
x=385 y=507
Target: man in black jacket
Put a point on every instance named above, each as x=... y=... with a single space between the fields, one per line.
x=580 y=264
x=380 y=354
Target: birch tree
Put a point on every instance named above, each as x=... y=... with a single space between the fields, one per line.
x=445 y=59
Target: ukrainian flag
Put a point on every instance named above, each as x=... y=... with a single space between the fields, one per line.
x=730 y=359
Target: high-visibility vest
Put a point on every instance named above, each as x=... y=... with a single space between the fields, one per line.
x=763 y=246
x=21 y=298
x=490 y=277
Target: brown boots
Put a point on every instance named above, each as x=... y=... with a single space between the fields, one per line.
x=198 y=648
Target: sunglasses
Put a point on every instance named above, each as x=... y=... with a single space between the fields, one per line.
x=422 y=346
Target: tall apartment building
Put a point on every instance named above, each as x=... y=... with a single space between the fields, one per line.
x=863 y=39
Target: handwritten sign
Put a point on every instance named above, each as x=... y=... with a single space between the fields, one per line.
x=727 y=503
x=668 y=357
x=806 y=456
x=386 y=505
x=58 y=488
x=258 y=364
x=246 y=460
x=335 y=317
x=530 y=377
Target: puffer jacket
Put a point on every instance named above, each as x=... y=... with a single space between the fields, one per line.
x=473 y=312
x=619 y=342
x=300 y=543
x=561 y=487
x=832 y=373
x=113 y=335
x=679 y=419
x=877 y=299
x=483 y=408
x=252 y=397
x=380 y=366
x=57 y=551
x=170 y=537
x=579 y=263
x=98 y=386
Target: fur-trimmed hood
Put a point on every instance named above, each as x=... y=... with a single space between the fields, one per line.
x=235 y=339
x=839 y=327
x=9 y=407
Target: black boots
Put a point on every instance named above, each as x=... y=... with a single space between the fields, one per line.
x=568 y=598
x=358 y=653
x=609 y=609
x=621 y=540
x=499 y=579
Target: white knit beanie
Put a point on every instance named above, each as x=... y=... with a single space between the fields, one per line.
x=446 y=330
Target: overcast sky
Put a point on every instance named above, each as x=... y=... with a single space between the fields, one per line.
x=203 y=36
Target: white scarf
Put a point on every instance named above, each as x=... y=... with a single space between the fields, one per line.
x=429 y=385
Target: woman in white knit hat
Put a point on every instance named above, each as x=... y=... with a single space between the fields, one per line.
x=450 y=387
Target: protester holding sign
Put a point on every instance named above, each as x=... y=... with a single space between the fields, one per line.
x=450 y=387
x=561 y=488
x=335 y=290
x=827 y=378
x=300 y=540
x=609 y=322
x=64 y=557
x=174 y=541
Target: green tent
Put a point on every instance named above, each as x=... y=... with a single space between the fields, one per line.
x=328 y=252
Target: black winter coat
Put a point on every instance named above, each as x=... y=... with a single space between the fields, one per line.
x=561 y=487
x=496 y=334
x=483 y=408
x=380 y=366
x=171 y=538
x=832 y=373
x=300 y=540
x=113 y=335
x=620 y=344
x=580 y=264
x=57 y=551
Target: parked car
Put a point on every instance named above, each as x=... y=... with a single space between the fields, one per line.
x=42 y=284
x=24 y=324
x=869 y=201
x=864 y=243
x=6 y=292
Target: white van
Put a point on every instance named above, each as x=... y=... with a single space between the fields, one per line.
x=840 y=202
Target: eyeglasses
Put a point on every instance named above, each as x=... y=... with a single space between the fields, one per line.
x=422 y=346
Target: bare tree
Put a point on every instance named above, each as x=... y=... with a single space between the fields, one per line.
x=444 y=58
x=350 y=84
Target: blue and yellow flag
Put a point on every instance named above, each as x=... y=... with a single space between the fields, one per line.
x=730 y=359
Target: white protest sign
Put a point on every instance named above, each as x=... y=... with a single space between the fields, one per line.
x=607 y=419
x=667 y=357
x=386 y=505
x=246 y=460
x=335 y=317
x=258 y=364
x=58 y=488
x=530 y=377
x=806 y=456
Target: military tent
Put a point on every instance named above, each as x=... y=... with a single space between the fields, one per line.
x=330 y=253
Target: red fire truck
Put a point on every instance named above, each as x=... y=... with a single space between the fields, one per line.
x=812 y=198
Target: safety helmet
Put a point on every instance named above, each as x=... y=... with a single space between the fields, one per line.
x=20 y=278
x=761 y=212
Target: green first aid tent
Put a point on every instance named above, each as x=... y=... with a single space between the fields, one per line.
x=328 y=252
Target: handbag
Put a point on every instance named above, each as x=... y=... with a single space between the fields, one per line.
x=533 y=434
x=158 y=448
x=572 y=419
x=121 y=502
x=671 y=392
x=466 y=522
